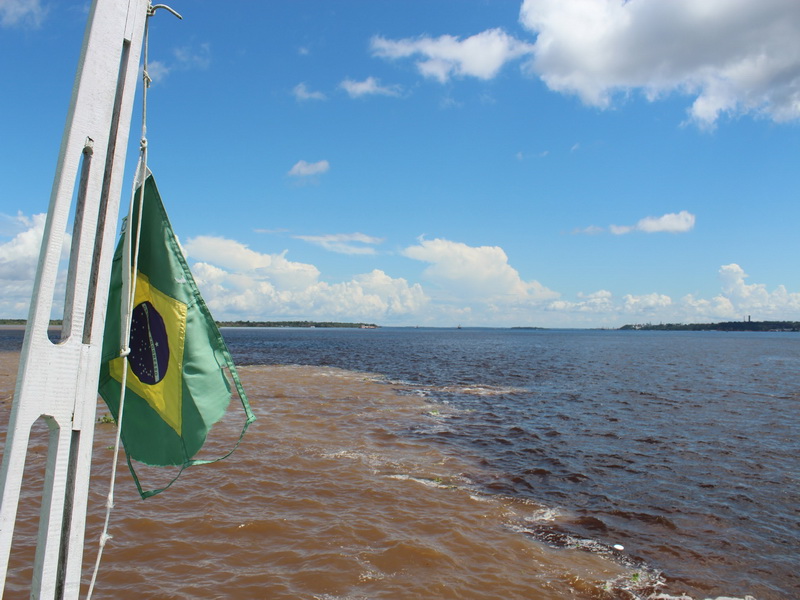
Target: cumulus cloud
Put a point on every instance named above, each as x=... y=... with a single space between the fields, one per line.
x=304 y=169
x=344 y=243
x=670 y=223
x=238 y=258
x=19 y=258
x=475 y=273
x=754 y=297
x=238 y=282
x=645 y=302
x=739 y=299
x=598 y=302
x=301 y=92
x=736 y=300
x=481 y=55
x=732 y=56
x=29 y=13
x=369 y=87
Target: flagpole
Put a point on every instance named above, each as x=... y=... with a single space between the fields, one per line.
x=58 y=381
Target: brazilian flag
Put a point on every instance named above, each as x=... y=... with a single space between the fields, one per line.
x=177 y=386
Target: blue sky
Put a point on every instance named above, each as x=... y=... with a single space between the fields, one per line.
x=584 y=163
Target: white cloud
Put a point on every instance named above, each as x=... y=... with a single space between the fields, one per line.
x=238 y=282
x=670 y=223
x=237 y=258
x=344 y=243
x=157 y=70
x=19 y=258
x=755 y=298
x=733 y=56
x=618 y=229
x=21 y=12
x=645 y=302
x=475 y=273
x=20 y=255
x=736 y=300
x=481 y=55
x=596 y=302
x=377 y=295
x=301 y=92
x=303 y=169
x=369 y=87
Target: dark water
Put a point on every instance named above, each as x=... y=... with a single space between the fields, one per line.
x=682 y=447
x=479 y=463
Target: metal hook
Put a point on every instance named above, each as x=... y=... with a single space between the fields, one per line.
x=154 y=7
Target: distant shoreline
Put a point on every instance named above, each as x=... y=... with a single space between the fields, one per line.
x=757 y=326
x=726 y=326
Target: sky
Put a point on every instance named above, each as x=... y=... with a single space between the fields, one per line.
x=541 y=163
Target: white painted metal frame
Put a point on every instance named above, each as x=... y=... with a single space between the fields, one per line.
x=58 y=381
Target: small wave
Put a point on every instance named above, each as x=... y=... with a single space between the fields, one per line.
x=351 y=454
x=436 y=482
x=640 y=582
x=457 y=389
x=544 y=515
x=483 y=390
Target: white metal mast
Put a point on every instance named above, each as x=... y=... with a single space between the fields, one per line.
x=58 y=381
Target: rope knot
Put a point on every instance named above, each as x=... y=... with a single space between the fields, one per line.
x=124 y=352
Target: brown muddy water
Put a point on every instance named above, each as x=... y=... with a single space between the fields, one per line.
x=323 y=500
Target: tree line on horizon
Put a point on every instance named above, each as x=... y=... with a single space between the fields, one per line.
x=726 y=326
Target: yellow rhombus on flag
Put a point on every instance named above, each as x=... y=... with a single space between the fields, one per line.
x=155 y=366
x=176 y=382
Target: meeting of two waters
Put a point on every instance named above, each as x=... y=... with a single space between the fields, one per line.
x=477 y=463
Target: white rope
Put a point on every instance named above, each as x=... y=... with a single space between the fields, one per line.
x=127 y=298
x=127 y=303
